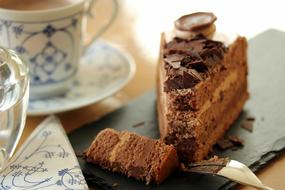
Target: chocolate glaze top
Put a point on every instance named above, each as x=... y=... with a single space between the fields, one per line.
x=188 y=61
x=195 y=21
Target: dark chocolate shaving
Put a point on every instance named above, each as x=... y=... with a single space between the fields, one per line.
x=213 y=49
x=191 y=59
x=224 y=144
x=140 y=124
x=187 y=62
x=235 y=148
x=185 y=78
x=174 y=60
x=185 y=46
x=189 y=79
x=236 y=140
x=194 y=61
x=230 y=142
x=80 y=155
x=250 y=119
x=248 y=124
x=199 y=66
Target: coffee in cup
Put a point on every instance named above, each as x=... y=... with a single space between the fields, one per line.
x=48 y=35
x=27 y=5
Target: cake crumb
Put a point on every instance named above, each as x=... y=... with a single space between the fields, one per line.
x=80 y=154
x=250 y=119
x=224 y=144
x=230 y=142
x=248 y=124
x=234 y=148
x=236 y=140
x=140 y=124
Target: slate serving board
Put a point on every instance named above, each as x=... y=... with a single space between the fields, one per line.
x=266 y=105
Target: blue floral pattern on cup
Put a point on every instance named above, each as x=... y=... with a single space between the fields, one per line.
x=114 y=68
x=51 y=57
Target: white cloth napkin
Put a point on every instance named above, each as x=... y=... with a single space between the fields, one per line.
x=45 y=161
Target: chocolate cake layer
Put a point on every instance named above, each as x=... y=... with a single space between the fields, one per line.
x=221 y=124
x=193 y=118
x=208 y=119
x=133 y=155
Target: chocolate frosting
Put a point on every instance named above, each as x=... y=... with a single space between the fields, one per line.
x=188 y=61
x=195 y=21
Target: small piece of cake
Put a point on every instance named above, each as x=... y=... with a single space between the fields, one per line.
x=202 y=85
x=211 y=166
x=133 y=155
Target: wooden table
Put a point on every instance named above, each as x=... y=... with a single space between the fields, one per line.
x=137 y=29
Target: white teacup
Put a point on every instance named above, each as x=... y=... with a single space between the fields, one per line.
x=50 y=40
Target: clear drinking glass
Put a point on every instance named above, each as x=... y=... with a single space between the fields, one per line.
x=14 y=92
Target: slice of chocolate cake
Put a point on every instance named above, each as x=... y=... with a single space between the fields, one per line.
x=133 y=155
x=202 y=85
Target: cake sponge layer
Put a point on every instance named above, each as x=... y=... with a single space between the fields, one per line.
x=133 y=155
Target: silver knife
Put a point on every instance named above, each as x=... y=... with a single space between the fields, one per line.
x=231 y=169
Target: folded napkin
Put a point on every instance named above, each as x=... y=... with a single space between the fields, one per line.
x=45 y=161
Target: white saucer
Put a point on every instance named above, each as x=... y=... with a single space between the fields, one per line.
x=104 y=70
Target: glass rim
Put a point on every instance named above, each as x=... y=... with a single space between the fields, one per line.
x=5 y=58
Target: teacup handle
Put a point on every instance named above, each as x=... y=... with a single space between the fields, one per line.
x=104 y=27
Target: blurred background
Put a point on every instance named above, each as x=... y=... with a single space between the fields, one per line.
x=139 y=24
x=137 y=29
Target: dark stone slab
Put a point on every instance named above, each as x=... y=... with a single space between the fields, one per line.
x=266 y=105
